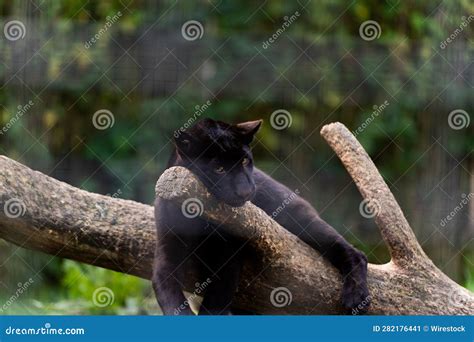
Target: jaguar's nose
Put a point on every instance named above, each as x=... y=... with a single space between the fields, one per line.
x=244 y=192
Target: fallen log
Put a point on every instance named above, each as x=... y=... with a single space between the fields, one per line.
x=287 y=276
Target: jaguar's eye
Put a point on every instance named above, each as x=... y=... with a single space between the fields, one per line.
x=245 y=161
x=220 y=170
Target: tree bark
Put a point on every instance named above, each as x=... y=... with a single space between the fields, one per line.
x=285 y=275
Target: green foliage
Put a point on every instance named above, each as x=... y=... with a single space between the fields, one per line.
x=81 y=282
x=469 y=271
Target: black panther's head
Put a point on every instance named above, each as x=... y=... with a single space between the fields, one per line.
x=219 y=154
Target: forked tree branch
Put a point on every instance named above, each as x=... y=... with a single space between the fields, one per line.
x=378 y=199
x=118 y=234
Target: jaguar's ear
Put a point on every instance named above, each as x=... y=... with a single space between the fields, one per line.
x=248 y=129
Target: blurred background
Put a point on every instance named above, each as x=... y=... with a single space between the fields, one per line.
x=92 y=91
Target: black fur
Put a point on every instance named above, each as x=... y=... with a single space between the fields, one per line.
x=219 y=155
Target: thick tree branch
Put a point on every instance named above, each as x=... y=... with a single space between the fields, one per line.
x=61 y=220
x=42 y=213
x=379 y=201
